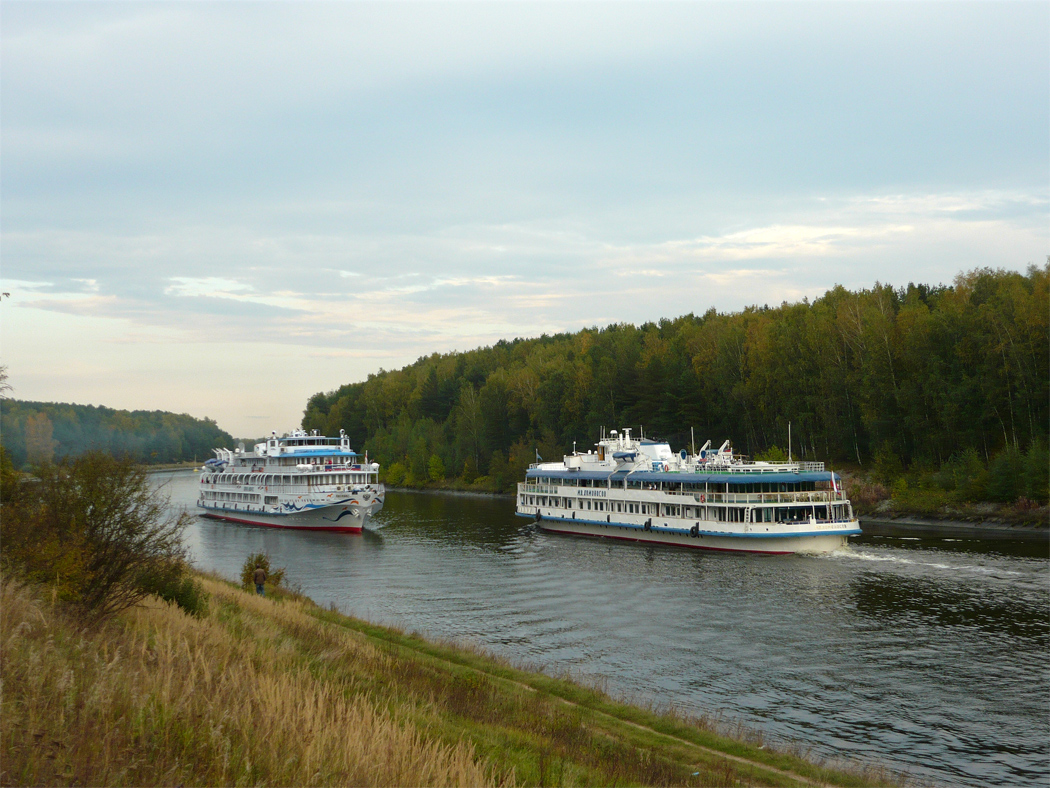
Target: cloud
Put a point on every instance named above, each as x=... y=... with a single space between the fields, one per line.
x=352 y=185
x=213 y=286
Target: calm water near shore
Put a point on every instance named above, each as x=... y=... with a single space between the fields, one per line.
x=926 y=656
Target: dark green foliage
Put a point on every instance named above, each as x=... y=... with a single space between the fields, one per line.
x=1037 y=473
x=172 y=583
x=964 y=474
x=92 y=528
x=436 y=468
x=917 y=375
x=1006 y=477
x=71 y=430
x=886 y=465
x=274 y=576
x=10 y=479
x=395 y=474
x=772 y=454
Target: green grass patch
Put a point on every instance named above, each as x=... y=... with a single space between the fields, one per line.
x=556 y=731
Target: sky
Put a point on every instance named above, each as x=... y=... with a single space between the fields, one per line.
x=222 y=209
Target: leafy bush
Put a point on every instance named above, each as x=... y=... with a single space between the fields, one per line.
x=1006 y=476
x=964 y=473
x=436 y=468
x=772 y=454
x=1037 y=473
x=470 y=471
x=915 y=499
x=172 y=584
x=395 y=474
x=887 y=465
x=91 y=528
x=274 y=577
x=10 y=479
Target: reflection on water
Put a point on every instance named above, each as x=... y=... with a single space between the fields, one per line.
x=921 y=658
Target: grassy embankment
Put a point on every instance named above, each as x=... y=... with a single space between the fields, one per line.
x=263 y=691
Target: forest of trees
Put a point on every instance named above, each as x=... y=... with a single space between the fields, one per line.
x=917 y=376
x=38 y=432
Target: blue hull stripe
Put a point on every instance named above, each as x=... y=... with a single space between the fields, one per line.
x=340 y=517
x=686 y=531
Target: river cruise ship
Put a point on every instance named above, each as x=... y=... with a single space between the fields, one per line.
x=640 y=490
x=303 y=481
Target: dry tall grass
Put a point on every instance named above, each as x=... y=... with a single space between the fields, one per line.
x=279 y=692
x=160 y=698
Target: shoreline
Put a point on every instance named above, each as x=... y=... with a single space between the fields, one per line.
x=171 y=466
x=904 y=525
x=451 y=491
x=878 y=525
x=384 y=706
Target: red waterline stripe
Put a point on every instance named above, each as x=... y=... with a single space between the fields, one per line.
x=339 y=529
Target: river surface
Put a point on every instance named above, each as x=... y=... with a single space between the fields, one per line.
x=928 y=657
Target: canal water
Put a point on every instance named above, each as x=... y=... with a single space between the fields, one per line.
x=926 y=657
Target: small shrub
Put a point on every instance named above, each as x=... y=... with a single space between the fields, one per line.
x=274 y=576
x=172 y=583
x=1037 y=473
x=772 y=454
x=971 y=477
x=498 y=473
x=436 y=468
x=918 y=500
x=10 y=479
x=470 y=471
x=887 y=466
x=1006 y=476
x=395 y=475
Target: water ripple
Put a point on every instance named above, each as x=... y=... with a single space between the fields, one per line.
x=926 y=659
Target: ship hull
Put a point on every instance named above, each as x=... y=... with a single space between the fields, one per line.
x=764 y=542
x=333 y=519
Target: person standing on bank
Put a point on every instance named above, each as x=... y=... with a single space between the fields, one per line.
x=260 y=580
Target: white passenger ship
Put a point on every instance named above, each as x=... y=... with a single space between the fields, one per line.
x=640 y=490
x=303 y=481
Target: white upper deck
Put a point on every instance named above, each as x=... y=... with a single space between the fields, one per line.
x=620 y=452
x=297 y=447
x=301 y=443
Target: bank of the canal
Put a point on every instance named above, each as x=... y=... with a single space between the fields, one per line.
x=260 y=691
x=925 y=655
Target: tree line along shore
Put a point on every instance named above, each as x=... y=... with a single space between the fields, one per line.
x=934 y=401
x=40 y=432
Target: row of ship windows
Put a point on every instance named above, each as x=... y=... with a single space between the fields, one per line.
x=238 y=497
x=267 y=478
x=688 y=487
x=293 y=461
x=722 y=513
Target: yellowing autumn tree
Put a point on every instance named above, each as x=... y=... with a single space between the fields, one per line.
x=40 y=445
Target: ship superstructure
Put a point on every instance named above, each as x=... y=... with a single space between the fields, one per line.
x=641 y=490
x=300 y=480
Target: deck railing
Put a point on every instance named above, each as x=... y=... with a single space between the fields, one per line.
x=809 y=496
